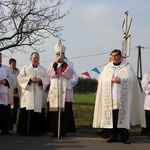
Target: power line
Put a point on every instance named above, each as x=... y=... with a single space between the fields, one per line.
x=91 y=55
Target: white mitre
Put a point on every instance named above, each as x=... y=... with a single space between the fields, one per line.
x=59 y=48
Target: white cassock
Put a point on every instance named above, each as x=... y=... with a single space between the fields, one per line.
x=145 y=83
x=33 y=95
x=129 y=100
x=5 y=73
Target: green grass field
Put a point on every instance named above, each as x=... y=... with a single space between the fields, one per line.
x=83 y=109
x=83 y=112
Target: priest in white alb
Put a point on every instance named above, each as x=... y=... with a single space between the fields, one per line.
x=118 y=101
x=33 y=81
x=145 y=84
x=6 y=81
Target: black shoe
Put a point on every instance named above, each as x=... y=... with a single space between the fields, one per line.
x=6 y=133
x=23 y=134
x=105 y=136
x=111 y=140
x=38 y=134
x=32 y=134
x=100 y=134
x=127 y=142
x=54 y=135
x=62 y=136
x=35 y=134
x=144 y=132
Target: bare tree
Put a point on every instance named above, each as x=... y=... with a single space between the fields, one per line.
x=29 y=22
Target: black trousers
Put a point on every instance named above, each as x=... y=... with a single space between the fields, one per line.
x=146 y=131
x=67 y=123
x=31 y=122
x=5 y=118
x=114 y=132
x=15 y=109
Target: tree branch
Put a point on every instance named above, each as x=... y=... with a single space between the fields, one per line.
x=29 y=22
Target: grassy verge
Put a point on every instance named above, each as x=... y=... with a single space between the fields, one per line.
x=83 y=112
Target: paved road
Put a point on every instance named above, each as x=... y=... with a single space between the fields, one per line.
x=70 y=142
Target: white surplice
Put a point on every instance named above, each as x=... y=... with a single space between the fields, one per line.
x=33 y=95
x=5 y=73
x=57 y=92
x=145 y=83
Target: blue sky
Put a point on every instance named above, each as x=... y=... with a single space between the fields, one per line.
x=95 y=27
